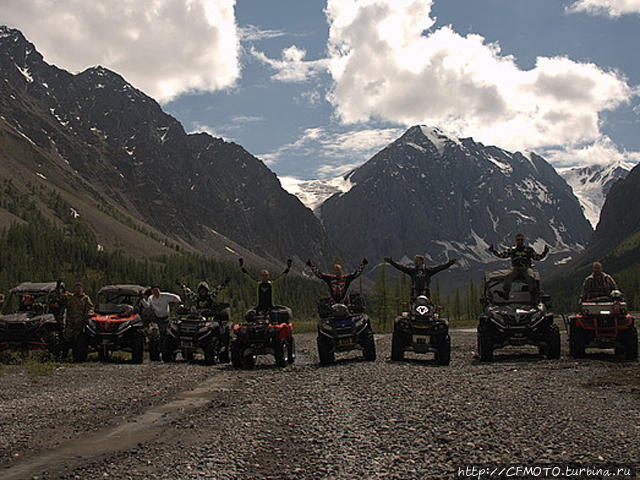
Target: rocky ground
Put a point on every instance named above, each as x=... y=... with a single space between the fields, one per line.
x=352 y=420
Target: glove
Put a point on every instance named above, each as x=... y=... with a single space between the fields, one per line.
x=289 y=262
x=309 y=263
x=365 y=261
x=491 y=249
x=387 y=259
x=241 y=261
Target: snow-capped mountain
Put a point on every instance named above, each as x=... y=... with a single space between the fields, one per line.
x=433 y=193
x=592 y=183
x=313 y=193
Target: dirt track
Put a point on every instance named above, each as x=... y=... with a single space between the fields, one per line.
x=351 y=420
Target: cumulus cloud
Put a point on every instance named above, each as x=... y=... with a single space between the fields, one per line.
x=612 y=8
x=602 y=151
x=388 y=63
x=163 y=47
x=339 y=151
x=292 y=67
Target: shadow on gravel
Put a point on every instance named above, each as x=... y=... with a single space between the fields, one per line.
x=422 y=361
x=511 y=358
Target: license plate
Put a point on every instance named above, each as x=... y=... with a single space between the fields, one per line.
x=187 y=343
x=344 y=341
x=421 y=340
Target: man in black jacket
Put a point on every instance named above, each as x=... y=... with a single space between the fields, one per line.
x=265 y=285
x=420 y=274
x=338 y=282
x=521 y=256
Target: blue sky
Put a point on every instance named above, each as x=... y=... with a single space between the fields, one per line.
x=314 y=88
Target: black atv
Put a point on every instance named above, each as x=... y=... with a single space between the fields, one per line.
x=516 y=320
x=195 y=330
x=26 y=322
x=116 y=325
x=264 y=333
x=344 y=327
x=421 y=330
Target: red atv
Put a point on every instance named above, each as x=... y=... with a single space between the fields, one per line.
x=603 y=323
x=264 y=333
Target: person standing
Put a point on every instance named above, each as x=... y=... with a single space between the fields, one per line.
x=79 y=309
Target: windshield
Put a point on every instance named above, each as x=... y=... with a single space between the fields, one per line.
x=519 y=293
x=110 y=303
x=26 y=302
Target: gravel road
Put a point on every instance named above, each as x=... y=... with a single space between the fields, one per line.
x=353 y=420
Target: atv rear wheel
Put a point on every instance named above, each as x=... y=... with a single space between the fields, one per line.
x=397 y=347
x=325 y=350
x=576 y=342
x=485 y=347
x=223 y=357
x=80 y=350
x=168 y=350
x=368 y=346
x=137 y=349
x=443 y=355
x=237 y=352
x=552 y=349
x=281 y=352
x=629 y=340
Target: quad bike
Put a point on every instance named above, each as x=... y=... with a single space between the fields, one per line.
x=344 y=327
x=603 y=322
x=26 y=322
x=516 y=320
x=116 y=325
x=264 y=333
x=195 y=330
x=421 y=330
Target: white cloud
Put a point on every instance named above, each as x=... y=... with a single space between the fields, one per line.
x=253 y=33
x=385 y=66
x=339 y=151
x=292 y=67
x=612 y=8
x=602 y=151
x=197 y=127
x=163 y=47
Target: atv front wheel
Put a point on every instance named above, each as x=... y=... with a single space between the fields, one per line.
x=397 y=347
x=325 y=351
x=629 y=340
x=210 y=352
x=80 y=350
x=369 y=346
x=485 y=347
x=137 y=349
x=443 y=355
x=292 y=351
x=223 y=357
x=553 y=343
x=281 y=352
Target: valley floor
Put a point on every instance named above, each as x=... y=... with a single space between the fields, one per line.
x=352 y=420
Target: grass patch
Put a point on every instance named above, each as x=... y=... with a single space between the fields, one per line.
x=37 y=363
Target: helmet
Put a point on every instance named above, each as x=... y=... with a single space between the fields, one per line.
x=617 y=295
x=339 y=310
x=204 y=285
x=423 y=300
x=27 y=300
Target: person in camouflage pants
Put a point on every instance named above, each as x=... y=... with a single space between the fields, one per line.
x=79 y=308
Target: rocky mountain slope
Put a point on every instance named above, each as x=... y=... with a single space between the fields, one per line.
x=94 y=135
x=447 y=197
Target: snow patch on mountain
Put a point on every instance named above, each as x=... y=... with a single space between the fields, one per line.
x=313 y=193
x=591 y=184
